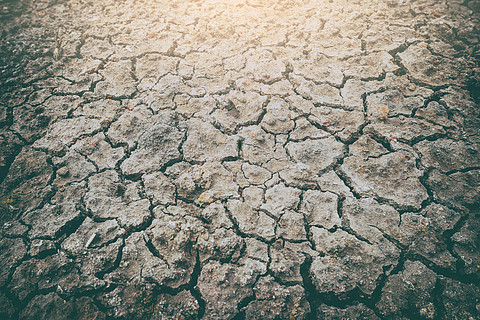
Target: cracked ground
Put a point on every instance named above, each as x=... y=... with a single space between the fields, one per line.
x=247 y=159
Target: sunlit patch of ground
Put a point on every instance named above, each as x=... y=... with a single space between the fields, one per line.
x=239 y=160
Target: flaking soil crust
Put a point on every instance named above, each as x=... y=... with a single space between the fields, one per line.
x=250 y=159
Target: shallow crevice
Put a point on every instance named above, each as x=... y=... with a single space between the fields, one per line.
x=438 y=299
x=445 y=272
x=194 y=289
x=116 y=263
x=310 y=290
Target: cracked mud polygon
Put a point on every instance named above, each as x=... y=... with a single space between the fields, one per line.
x=250 y=159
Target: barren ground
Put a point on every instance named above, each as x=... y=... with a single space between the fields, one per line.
x=243 y=159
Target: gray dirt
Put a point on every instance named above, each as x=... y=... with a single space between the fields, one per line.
x=247 y=159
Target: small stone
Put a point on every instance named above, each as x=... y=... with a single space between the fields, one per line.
x=75 y=168
x=63 y=171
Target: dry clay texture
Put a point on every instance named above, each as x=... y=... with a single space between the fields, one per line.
x=247 y=159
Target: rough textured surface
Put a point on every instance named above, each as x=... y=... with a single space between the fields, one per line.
x=392 y=177
x=409 y=292
x=250 y=159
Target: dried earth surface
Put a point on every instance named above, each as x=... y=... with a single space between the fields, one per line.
x=250 y=159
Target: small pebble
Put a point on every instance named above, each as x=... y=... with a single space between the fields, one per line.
x=62 y=172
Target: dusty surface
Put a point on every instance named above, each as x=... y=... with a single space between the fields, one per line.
x=250 y=159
